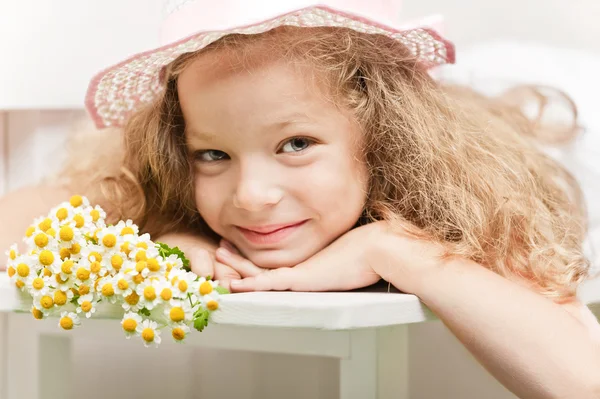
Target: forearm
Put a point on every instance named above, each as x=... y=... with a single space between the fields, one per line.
x=527 y=342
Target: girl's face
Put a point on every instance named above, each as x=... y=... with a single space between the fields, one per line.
x=278 y=170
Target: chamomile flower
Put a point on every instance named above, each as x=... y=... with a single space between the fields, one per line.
x=87 y=305
x=127 y=228
x=182 y=283
x=172 y=262
x=97 y=214
x=37 y=285
x=180 y=311
x=42 y=240
x=63 y=282
x=62 y=213
x=149 y=332
x=45 y=303
x=69 y=320
x=130 y=323
x=132 y=303
x=47 y=258
x=179 y=332
x=165 y=290
x=211 y=301
x=204 y=287
x=110 y=239
x=68 y=235
x=148 y=294
x=106 y=287
x=123 y=284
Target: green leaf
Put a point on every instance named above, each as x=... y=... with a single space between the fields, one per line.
x=144 y=312
x=222 y=290
x=201 y=319
x=165 y=251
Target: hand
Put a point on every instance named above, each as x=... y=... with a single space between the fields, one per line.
x=201 y=254
x=345 y=264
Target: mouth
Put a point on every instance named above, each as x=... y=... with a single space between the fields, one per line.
x=269 y=234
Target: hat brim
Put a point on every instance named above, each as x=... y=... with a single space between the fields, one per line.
x=116 y=92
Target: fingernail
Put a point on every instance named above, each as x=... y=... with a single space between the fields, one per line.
x=235 y=283
x=223 y=252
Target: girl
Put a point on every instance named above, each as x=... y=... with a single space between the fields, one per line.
x=322 y=156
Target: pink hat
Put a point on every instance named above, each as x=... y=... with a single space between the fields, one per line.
x=191 y=25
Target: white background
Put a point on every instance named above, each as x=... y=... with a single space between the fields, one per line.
x=50 y=49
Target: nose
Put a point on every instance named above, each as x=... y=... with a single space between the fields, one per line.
x=256 y=189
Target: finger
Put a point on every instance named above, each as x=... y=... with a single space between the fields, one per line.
x=224 y=274
x=240 y=264
x=229 y=246
x=282 y=279
x=201 y=262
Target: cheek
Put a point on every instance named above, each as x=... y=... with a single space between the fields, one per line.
x=210 y=199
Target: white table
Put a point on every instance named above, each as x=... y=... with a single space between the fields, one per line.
x=372 y=346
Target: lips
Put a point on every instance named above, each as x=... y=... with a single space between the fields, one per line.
x=269 y=234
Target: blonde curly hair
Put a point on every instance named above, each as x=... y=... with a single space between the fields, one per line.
x=447 y=163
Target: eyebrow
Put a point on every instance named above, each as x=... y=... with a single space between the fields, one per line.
x=281 y=123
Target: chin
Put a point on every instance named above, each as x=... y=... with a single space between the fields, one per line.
x=276 y=259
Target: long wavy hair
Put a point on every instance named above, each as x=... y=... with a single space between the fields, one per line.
x=446 y=163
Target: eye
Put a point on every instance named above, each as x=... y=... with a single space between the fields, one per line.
x=210 y=155
x=297 y=144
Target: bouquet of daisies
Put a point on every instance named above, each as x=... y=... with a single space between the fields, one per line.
x=74 y=262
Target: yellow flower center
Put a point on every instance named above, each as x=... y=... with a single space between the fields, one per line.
x=212 y=305
x=75 y=249
x=79 y=221
x=182 y=286
x=140 y=266
x=149 y=293
x=47 y=272
x=108 y=290
x=60 y=298
x=95 y=214
x=46 y=257
x=176 y=314
x=86 y=306
x=127 y=230
x=122 y=284
x=46 y=302
x=23 y=270
x=64 y=253
x=129 y=325
x=37 y=313
x=20 y=284
x=84 y=289
x=45 y=224
x=142 y=245
x=148 y=334
x=11 y=271
x=169 y=267
x=12 y=254
x=109 y=240
x=174 y=281
x=62 y=214
x=166 y=294
x=95 y=257
x=67 y=267
x=178 y=333
x=95 y=267
x=153 y=265
x=66 y=233
x=83 y=274
x=76 y=201
x=140 y=255
x=41 y=240
x=30 y=230
x=116 y=261
x=205 y=288
x=66 y=323
x=38 y=283
x=51 y=232
x=138 y=279
x=132 y=299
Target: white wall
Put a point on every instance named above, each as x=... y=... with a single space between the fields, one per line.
x=56 y=46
